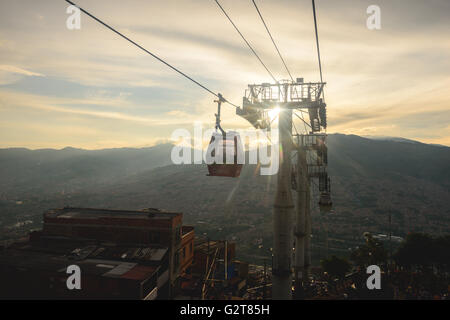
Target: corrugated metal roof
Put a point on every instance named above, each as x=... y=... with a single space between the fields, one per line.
x=102 y=260
x=139 y=272
x=119 y=270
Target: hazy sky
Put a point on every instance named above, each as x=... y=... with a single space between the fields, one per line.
x=91 y=89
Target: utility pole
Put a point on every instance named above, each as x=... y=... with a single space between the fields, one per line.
x=307 y=235
x=226 y=260
x=300 y=225
x=390 y=243
x=265 y=280
x=326 y=236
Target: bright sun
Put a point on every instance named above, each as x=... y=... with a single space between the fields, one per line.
x=273 y=113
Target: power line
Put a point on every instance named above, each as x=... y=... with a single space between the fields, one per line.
x=317 y=38
x=273 y=41
x=279 y=54
x=245 y=40
x=150 y=53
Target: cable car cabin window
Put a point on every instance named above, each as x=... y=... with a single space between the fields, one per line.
x=225 y=155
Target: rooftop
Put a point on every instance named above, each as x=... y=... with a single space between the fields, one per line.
x=61 y=250
x=54 y=263
x=202 y=244
x=92 y=213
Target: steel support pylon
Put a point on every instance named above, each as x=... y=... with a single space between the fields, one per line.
x=300 y=221
x=283 y=213
x=287 y=96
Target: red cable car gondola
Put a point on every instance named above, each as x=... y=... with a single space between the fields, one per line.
x=227 y=145
x=229 y=149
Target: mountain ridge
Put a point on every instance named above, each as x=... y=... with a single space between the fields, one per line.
x=371 y=179
x=379 y=138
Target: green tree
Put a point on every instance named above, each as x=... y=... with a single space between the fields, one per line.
x=372 y=252
x=421 y=250
x=441 y=252
x=335 y=267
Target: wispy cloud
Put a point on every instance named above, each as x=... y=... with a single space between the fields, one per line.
x=381 y=82
x=10 y=74
x=17 y=70
x=61 y=105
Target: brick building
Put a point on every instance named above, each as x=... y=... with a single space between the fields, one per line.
x=122 y=253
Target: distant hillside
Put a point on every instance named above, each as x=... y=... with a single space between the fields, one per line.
x=350 y=155
x=370 y=179
x=47 y=171
x=70 y=169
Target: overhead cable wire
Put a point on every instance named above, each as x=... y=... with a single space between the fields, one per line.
x=150 y=53
x=317 y=39
x=273 y=41
x=278 y=51
x=245 y=40
x=318 y=48
x=303 y=119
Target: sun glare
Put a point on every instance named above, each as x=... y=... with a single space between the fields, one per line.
x=273 y=113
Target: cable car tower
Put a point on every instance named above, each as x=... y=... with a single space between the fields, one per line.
x=292 y=97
